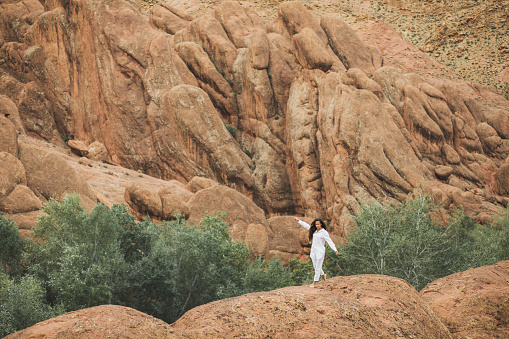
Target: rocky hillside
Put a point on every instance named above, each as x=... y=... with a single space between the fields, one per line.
x=468 y=36
x=471 y=304
x=298 y=111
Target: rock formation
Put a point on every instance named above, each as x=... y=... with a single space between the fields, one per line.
x=470 y=304
x=27 y=176
x=357 y=306
x=474 y=303
x=300 y=114
x=99 y=322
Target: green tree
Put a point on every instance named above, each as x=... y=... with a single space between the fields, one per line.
x=22 y=304
x=187 y=266
x=302 y=271
x=491 y=241
x=76 y=254
x=11 y=246
x=263 y=275
x=405 y=241
x=398 y=240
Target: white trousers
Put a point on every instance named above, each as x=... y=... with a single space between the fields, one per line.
x=317 y=265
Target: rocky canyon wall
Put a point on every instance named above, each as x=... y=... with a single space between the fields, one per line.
x=324 y=121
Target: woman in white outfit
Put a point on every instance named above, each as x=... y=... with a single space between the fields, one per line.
x=318 y=235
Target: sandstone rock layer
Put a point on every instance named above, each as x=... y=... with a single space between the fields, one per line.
x=473 y=303
x=301 y=114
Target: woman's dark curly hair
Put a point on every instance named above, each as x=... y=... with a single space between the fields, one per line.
x=313 y=228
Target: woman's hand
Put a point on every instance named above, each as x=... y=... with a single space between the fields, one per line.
x=336 y=252
x=297 y=219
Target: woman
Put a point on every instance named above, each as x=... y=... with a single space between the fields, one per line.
x=318 y=235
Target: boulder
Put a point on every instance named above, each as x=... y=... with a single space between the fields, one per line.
x=12 y=173
x=174 y=198
x=499 y=119
x=257 y=240
x=35 y=111
x=143 y=200
x=238 y=21
x=240 y=210
x=473 y=303
x=443 y=172
x=25 y=221
x=50 y=176
x=78 y=147
x=450 y=155
x=97 y=151
x=310 y=52
x=100 y=322
x=168 y=18
x=259 y=49
x=282 y=68
x=208 y=31
x=372 y=306
x=9 y=110
x=198 y=183
x=209 y=78
x=8 y=136
x=347 y=45
x=10 y=87
x=295 y=17
x=205 y=135
x=289 y=236
x=20 y=200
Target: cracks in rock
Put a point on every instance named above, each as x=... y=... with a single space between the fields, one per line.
x=397 y=170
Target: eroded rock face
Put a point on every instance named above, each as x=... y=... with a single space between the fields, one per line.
x=473 y=303
x=8 y=137
x=321 y=122
x=43 y=168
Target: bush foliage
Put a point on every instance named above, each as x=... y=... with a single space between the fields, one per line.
x=405 y=241
x=80 y=259
x=11 y=247
x=22 y=304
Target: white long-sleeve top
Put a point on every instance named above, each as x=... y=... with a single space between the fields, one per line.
x=319 y=239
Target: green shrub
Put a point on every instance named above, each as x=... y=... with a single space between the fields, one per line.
x=232 y=130
x=22 y=304
x=301 y=272
x=248 y=153
x=263 y=275
x=405 y=241
x=187 y=266
x=497 y=235
x=67 y=137
x=11 y=247
x=76 y=254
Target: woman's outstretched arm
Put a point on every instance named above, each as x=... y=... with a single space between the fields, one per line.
x=303 y=223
